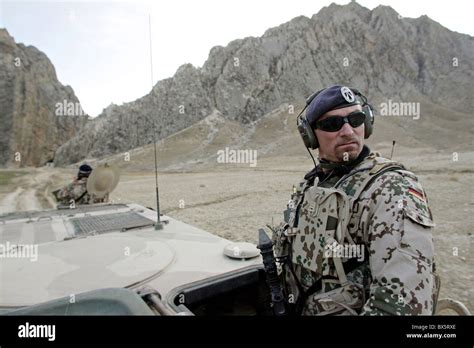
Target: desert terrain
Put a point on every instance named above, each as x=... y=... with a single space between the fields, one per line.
x=233 y=200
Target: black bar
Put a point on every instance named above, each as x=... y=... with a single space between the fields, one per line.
x=241 y=330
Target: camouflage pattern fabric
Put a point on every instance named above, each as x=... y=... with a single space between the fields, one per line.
x=390 y=217
x=76 y=193
x=321 y=215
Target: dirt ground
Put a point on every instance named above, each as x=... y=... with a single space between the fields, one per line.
x=233 y=201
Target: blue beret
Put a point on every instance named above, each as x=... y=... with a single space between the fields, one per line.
x=84 y=170
x=331 y=98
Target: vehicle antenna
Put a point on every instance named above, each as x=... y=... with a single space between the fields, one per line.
x=393 y=146
x=158 y=225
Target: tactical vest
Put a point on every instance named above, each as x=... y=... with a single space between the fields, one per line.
x=318 y=277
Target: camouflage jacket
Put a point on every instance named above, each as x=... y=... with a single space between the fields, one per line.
x=76 y=193
x=388 y=219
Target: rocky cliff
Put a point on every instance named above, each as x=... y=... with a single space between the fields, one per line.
x=37 y=113
x=384 y=55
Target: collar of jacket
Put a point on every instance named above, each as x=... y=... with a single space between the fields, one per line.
x=339 y=169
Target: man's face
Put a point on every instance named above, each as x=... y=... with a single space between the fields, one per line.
x=345 y=144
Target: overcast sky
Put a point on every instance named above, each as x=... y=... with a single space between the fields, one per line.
x=101 y=48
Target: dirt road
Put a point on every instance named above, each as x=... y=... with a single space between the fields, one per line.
x=29 y=192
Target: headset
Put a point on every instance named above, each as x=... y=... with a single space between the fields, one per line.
x=309 y=136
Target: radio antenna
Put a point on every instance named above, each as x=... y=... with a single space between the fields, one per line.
x=158 y=225
x=393 y=147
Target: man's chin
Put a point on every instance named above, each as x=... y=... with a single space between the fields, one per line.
x=348 y=153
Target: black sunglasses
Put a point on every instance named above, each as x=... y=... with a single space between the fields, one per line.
x=335 y=123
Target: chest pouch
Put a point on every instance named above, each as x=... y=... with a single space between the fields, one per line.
x=322 y=221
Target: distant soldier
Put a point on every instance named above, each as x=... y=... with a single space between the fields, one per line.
x=76 y=193
x=357 y=235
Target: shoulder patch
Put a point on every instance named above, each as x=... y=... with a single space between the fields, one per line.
x=415 y=200
x=417 y=194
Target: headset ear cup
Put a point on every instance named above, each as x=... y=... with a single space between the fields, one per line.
x=307 y=134
x=313 y=139
x=369 y=121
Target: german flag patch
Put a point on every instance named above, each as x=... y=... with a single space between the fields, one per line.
x=419 y=195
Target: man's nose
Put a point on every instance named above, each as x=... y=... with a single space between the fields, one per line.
x=346 y=130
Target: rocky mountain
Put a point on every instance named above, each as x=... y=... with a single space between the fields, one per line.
x=277 y=143
x=37 y=113
x=386 y=56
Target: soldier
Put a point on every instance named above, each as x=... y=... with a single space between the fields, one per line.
x=76 y=193
x=357 y=236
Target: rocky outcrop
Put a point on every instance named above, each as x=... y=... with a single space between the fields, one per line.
x=384 y=55
x=37 y=113
x=172 y=105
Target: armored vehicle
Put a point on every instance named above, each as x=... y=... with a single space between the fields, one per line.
x=109 y=259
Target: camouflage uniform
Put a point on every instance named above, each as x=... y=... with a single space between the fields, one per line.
x=387 y=214
x=76 y=193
